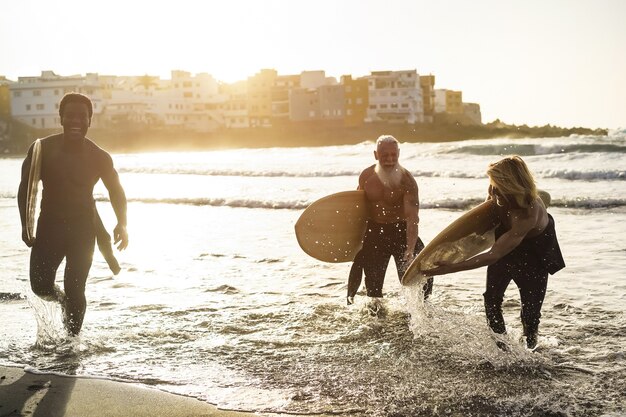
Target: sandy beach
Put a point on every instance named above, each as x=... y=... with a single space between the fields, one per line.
x=27 y=394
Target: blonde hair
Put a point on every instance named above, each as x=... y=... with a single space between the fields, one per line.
x=511 y=177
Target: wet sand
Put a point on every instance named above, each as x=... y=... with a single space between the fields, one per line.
x=27 y=394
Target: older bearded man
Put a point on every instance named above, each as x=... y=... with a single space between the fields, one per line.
x=392 y=228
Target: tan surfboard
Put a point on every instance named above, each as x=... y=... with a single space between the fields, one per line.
x=331 y=229
x=467 y=236
x=34 y=176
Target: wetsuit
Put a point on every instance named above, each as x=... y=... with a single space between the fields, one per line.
x=68 y=222
x=528 y=265
x=381 y=242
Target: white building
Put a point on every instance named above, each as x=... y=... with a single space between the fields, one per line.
x=191 y=101
x=35 y=100
x=235 y=106
x=395 y=96
x=130 y=100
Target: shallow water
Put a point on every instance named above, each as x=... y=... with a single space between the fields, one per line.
x=217 y=301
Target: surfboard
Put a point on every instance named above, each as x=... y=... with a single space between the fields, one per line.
x=331 y=229
x=467 y=236
x=34 y=176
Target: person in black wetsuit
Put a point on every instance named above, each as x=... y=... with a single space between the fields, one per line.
x=71 y=165
x=392 y=228
x=526 y=249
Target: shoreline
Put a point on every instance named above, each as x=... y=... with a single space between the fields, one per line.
x=26 y=393
x=304 y=134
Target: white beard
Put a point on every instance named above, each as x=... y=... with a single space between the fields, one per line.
x=391 y=178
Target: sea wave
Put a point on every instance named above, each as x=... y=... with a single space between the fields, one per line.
x=567 y=174
x=449 y=204
x=570 y=174
x=526 y=149
x=228 y=172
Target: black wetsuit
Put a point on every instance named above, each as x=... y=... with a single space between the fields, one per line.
x=381 y=242
x=528 y=265
x=68 y=221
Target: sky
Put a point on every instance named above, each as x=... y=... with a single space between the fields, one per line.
x=535 y=62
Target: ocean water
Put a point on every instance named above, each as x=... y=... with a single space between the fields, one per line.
x=217 y=301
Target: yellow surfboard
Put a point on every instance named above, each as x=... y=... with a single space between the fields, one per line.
x=34 y=176
x=331 y=229
x=467 y=236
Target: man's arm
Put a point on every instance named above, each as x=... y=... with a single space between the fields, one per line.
x=22 y=195
x=117 y=196
x=411 y=214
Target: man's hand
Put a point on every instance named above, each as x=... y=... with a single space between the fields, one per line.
x=29 y=241
x=408 y=256
x=120 y=235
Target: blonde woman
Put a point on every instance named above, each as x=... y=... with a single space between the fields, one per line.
x=526 y=249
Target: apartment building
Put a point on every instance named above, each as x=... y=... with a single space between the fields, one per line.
x=5 y=108
x=190 y=101
x=260 y=97
x=448 y=101
x=304 y=104
x=314 y=79
x=235 y=105
x=130 y=101
x=427 y=83
x=356 y=100
x=280 y=91
x=395 y=97
x=35 y=100
x=325 y=101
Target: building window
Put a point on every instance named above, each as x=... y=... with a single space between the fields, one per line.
x=34 y=122
x=36 y=93
x=56 y=92
x=359 y=100
x=40 y=106
x=28 y=107
x=17 y=94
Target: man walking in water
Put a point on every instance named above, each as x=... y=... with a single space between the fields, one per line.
x=392 y=228
x=71 y=165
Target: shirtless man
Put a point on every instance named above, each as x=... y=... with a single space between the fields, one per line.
x=392 y=228
x=526 y=249
x=68 y=223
